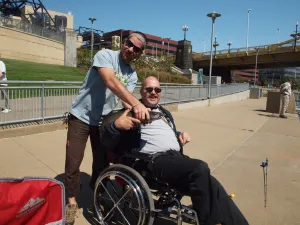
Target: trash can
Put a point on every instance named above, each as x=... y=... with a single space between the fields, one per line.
x=273 y=101
x=255 y=92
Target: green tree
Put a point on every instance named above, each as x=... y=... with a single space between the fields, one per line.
x=262 y=77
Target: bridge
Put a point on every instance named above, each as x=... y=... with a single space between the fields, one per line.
x=284 y=54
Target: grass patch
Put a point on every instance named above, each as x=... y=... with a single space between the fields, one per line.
x=23 y=70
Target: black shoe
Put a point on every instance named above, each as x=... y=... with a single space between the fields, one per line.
x=282 y=116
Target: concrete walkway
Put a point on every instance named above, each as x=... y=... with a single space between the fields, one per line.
x=232 y=138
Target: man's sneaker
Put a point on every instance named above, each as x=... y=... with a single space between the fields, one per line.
x=282 y=116
x=71 y=211
x=6 y=110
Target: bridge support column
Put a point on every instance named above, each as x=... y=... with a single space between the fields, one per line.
x=70 y=41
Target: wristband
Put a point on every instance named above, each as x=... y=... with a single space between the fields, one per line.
x=135 y=105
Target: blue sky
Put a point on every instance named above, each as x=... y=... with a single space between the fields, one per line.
x=166 y=18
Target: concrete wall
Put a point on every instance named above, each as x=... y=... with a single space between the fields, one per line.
x=28 y=47
x=216 y=101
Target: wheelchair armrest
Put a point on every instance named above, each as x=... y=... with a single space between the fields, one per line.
x=138 y=155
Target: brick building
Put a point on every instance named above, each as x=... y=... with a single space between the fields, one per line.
x=155 y=47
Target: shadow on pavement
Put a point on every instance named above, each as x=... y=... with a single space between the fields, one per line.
x=268 y=115
x=259 y=110
x=85 y=197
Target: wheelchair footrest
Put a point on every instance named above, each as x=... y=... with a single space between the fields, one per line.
x=186 y=214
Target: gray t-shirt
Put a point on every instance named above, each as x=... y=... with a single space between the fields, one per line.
x=94 y=98
x=158 y=136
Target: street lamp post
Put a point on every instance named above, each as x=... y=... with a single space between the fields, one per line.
x=229 y=44
x=121 y=41
x=278 y=35
x=257 y=50
x=248 y=22
x=213 y=16
x=168 y=44
x=295 y=36
x=216 y=44
x=185 y=28
x=92 y=19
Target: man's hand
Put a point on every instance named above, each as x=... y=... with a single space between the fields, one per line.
x=141 y=112
x=125 y=122
x=184 y=138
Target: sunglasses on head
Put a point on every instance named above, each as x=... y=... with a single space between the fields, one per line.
x=150 y=89
x=135 y=48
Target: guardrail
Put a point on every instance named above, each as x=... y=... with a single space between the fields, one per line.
x=41 y=100
x=287 y=46
x=26 y=27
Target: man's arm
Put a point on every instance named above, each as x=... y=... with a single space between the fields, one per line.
x=113 y=131
x=119 y=89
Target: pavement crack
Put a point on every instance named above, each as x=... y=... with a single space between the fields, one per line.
x=239 y=146
x=34 y=156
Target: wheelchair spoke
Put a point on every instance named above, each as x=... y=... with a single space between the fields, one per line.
x=114 y=188
x=116 y=205
x=107 y=192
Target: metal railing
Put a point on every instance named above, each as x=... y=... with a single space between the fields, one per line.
x=26 y=27
x=41 y=100
x=287 y=46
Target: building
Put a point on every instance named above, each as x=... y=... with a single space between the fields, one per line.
x=272 y=74
x=64 y=20
x=156 y=45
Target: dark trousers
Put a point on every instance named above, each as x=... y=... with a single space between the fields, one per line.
x=78 y=133
x=209 y=198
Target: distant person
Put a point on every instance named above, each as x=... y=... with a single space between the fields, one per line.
x=286 y=91
x=3 y=91
x=110 y=77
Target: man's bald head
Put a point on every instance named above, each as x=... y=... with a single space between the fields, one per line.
x=149 y=81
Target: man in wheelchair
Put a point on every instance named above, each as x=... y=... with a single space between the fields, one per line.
x=160 y=140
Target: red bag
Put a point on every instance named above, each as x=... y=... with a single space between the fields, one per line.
x=32 y=201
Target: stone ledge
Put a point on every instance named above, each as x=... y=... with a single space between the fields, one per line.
x=29 y=130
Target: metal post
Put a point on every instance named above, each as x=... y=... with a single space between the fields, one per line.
x=43 y=102
x=278 y=34
x=249 y=10
x=185 y=29
x=121 y=38
x=213 y=15
x=210 y=65
x=92 y=19
x=229 y=44
x=257 y=50
x=296 y=35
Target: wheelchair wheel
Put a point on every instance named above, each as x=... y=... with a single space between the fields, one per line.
x=122 y=196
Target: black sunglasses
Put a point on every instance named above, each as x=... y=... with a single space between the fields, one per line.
x=135 y=48
x=150 y=89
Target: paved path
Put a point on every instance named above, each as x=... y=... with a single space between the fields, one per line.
x=232 y=138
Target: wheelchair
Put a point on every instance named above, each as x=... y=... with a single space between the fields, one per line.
x=127 y=192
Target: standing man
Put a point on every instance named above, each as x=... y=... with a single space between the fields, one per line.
x=2 y=89
x=286 y=91
x=109 y=78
